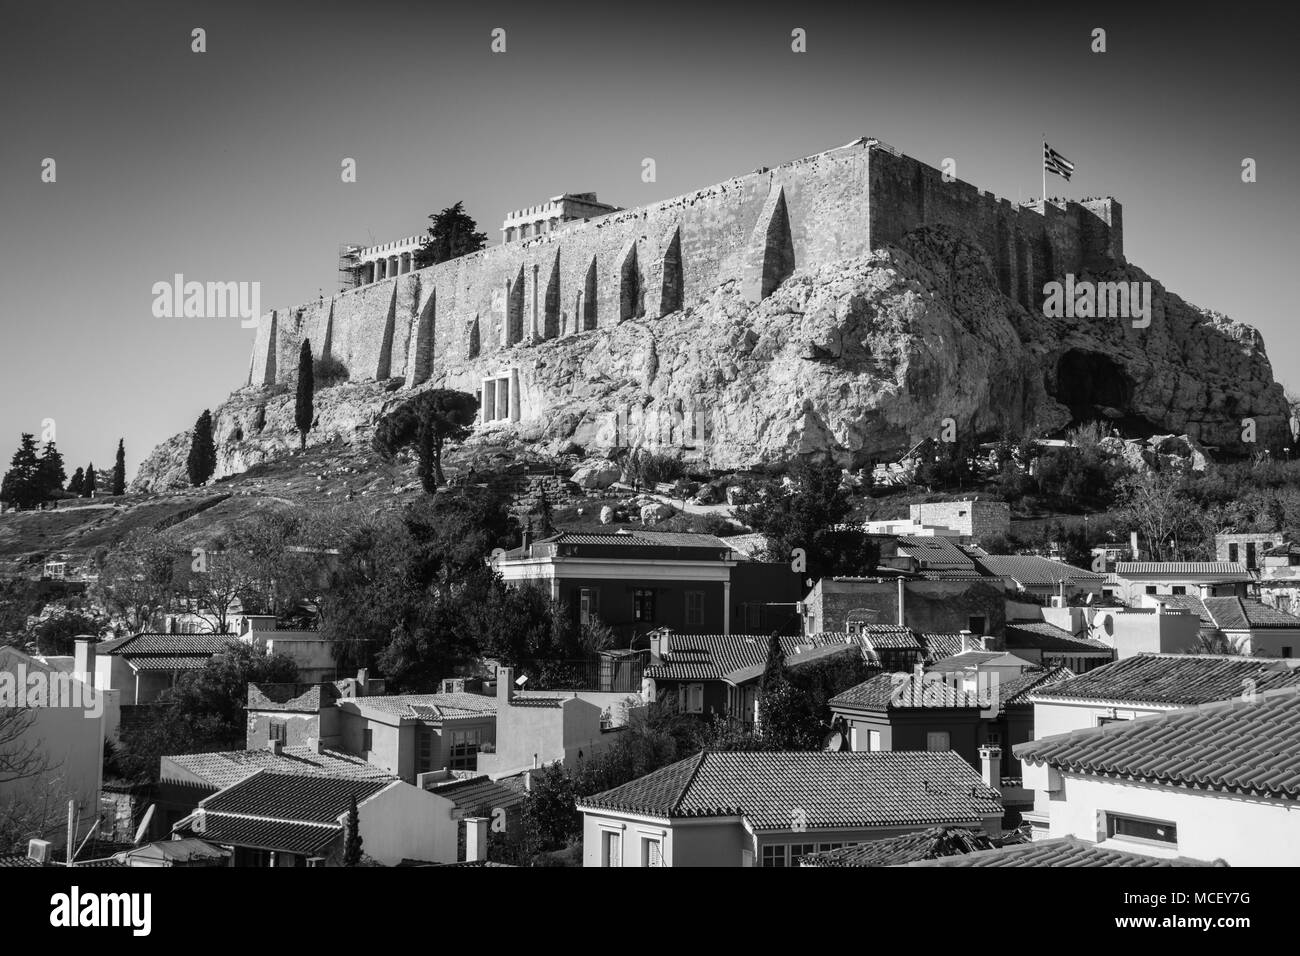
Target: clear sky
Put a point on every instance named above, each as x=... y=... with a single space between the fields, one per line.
x=225 y=165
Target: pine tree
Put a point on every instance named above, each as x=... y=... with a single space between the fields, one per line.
x=77 y=482
x=303 y=413
x=202 y=461
x=352 y=835
x=50 y=473
x=775 y=672
x=119 y=469
x=88 y=487
x=454 y=233
x=21 y=485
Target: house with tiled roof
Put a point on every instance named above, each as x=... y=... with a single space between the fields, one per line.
x=719 y=674
x=1279 y=577
x=1217 y=781
x=1249 y=625
x=1048 y=645
x=637 y=580
x=279 y=820
x=185 y=779
x=1061 y=851
x=536 y=728
x=1039 y=576
x=770 y=809
x=940 y=606
x=978 y=717
x=931 y=844
x=1198 y=578
x=142 y=666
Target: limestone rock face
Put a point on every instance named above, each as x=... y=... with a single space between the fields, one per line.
x=597 y=474
x=856 y=360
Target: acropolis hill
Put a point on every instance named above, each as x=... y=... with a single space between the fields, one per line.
x=845 y=303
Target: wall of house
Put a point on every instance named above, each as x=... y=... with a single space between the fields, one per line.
x=1132 y=633
x=929 y=606
x=1242 y=831
x=527 y=737
x=1059 y=718
x=770 y=589
x=617 y=603
x=314 y=656
x=1275 y=641
x=392 y=746
x=906 y=729
x=405 y=822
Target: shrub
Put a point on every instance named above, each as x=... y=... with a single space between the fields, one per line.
x=327 y=370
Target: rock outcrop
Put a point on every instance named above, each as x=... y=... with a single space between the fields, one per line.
x=856 y=360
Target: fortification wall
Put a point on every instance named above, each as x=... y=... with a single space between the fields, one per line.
x=468 y=317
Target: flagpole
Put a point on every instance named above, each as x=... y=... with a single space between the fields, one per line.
x=1044 y=174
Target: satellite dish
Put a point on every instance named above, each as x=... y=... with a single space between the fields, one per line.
x=834 y=743
x=521 y=680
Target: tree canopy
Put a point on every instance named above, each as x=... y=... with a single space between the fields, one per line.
x=453 y=233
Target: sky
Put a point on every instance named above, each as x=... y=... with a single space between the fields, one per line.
x=225 y=165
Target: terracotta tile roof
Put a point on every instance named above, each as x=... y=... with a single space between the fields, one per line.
x=904 y=691
x=426 y=706
x=1172 y=679
x=636 y=537
x=1031 y=570
x=153 y=663
x=170 y=644
x=536 y=700
x=295 y=797
x=1190 y=603
x=1064 y=851
x=701 y=657
x=1017 y=690
x=1246 y=747
x=889 y=637
x=1129 y=569
x=1042 y=636
x=832 y=790
x=479 y=796
x=281 y=835
x=936 y=554
x=1239 y=614
x=297 y=698
x=968 y=660
x=926 y=844
x=938 y=646
x=224 y=768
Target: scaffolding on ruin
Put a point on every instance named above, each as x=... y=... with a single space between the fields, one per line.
x=349 y=266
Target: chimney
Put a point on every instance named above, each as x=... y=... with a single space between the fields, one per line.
x=965 y=640
x=505 y=685
x=476 y=836
x=363 y=682
x=527 y=541
x=83 y=667
x=991 y=766
x=1133 y=546
x=901 y=621
x=275 y=745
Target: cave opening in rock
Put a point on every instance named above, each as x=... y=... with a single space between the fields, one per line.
x=1096 y=388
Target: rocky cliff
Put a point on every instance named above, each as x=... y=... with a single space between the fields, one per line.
x=857 y=359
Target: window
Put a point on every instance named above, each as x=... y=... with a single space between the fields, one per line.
x=463 y=753
x=1136 y=828
x=643 y=605
x=976 y=624
x=938 y=740
x=800 y=849
x=1151 y=589
x=652 y=851
x=611 y=848
x=1250 y=554
x=588 y=605
x=752 y=617
x=774 y=855
x=1179 y=589
x=423 y=748
x=1286 y=651
x=873 y=740
x=1232 y=553
x=278 y=730
x=694 y=608
x=993 y=739
x=694 y=702
x=367 y=739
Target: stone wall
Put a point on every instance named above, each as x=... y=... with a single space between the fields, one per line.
x=754 y=229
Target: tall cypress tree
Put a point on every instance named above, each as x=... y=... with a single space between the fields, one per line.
x=119 y=469
x=21 y=485
x=50 y=473
x=303 y=412
x=77 y=482
x=88 y=486
x=202 y=461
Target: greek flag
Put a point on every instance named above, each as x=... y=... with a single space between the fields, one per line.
x=1054 y=162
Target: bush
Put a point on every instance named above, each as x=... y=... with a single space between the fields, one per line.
x=327 y=370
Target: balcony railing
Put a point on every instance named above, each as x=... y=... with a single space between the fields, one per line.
x=607 y=674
